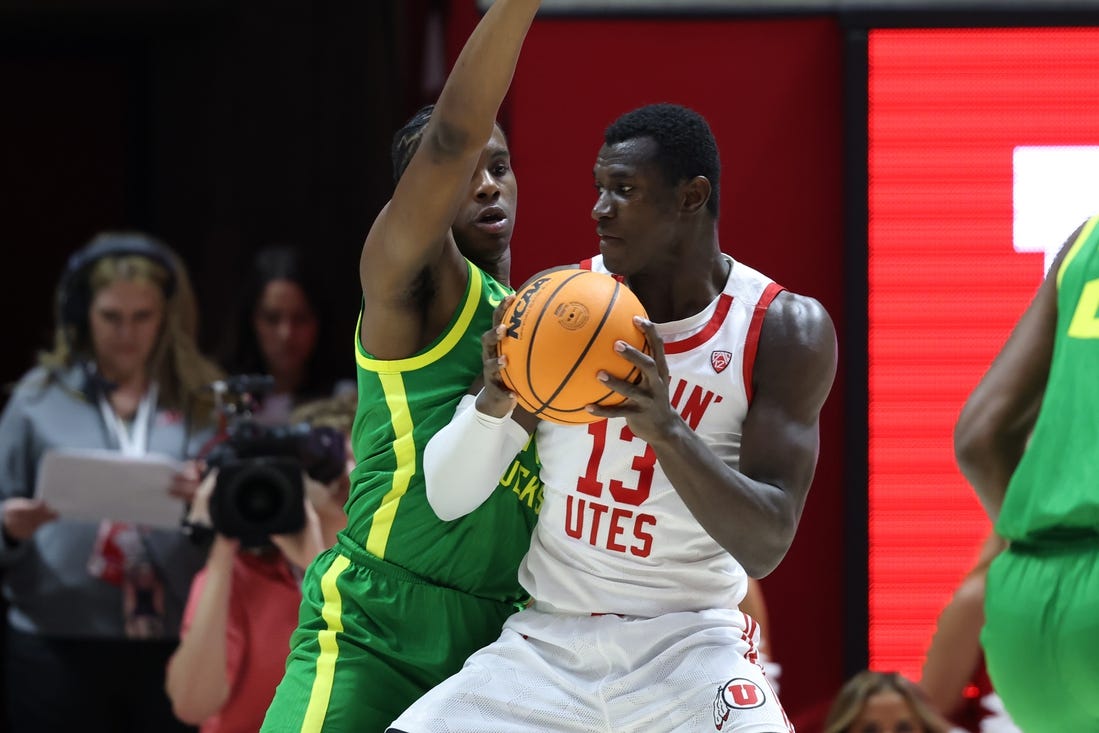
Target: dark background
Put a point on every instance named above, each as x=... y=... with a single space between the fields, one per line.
x=217 y=126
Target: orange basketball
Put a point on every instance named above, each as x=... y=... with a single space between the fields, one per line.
x=560 y=332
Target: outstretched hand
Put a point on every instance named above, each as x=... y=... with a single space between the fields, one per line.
x=647 y=409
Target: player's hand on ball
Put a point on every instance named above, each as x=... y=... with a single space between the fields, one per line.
x=647 y=408
x=495 y=398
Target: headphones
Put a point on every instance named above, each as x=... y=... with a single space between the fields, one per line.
x=74 y=291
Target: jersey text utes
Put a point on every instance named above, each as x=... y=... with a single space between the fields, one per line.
x=624 y=528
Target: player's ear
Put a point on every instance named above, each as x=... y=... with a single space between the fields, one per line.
x=695 y=194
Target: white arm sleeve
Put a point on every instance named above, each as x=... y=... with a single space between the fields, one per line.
x=463 y=462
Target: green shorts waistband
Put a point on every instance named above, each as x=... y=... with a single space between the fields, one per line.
x=360 y=556
x=1057 y=541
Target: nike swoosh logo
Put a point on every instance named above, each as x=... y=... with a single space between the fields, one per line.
x=495 y=300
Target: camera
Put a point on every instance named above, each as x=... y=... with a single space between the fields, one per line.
x=259 y=489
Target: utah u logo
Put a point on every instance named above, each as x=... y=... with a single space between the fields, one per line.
x=719 y=360
x=743 y=694
x=736 y=694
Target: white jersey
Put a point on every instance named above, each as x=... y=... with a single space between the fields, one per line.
x=613 y=536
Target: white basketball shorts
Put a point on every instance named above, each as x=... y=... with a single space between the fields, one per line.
x=688 y=672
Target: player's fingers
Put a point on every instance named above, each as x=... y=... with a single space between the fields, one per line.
x=492 y=366
x=599 y=411
x=490 y=339
x=635 y=356
x=656 y=346
x=498 y=312
x=625 y=409
x=607 y=412
x=490 y=351
x=629 y=390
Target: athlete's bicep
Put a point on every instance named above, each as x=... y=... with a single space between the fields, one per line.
x=407 y=303
x=402 y=245
x=793 y=374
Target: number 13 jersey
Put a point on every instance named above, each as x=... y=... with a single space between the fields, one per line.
x=613 y=535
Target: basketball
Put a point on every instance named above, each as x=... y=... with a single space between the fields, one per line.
x=559 y=334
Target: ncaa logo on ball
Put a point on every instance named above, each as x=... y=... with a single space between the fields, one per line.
x=522 y=302
x=571 y=315
x=742 y=694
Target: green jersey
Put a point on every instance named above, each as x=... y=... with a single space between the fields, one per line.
x=1055 y=489
x=402 y=403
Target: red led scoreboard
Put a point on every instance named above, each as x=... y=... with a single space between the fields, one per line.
x=983 y=156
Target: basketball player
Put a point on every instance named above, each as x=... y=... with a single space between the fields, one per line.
x=654 y=517
x=1028 y=441
x=403 y=598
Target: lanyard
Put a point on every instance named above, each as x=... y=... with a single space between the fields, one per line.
x=137 y=443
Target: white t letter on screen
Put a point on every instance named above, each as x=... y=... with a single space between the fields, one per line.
x=1055 y=188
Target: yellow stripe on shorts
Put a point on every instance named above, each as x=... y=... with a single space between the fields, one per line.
x=325 y=676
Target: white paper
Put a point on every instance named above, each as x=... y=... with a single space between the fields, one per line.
x=102 y=484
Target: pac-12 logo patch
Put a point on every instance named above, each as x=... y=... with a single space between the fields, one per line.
x=720 y=359
x=736 y=694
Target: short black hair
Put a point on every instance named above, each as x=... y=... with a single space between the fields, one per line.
x=685 y=144
x=407 y=140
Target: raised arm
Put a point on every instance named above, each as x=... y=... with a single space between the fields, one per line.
x=996 y=420
x=411 y=271
x=753 y=510
x=197 y=680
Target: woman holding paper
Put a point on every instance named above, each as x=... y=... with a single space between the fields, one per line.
x=94 y=606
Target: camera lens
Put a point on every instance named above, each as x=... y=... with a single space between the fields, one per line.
x=257 y=497
x=257 y=500
x=260 y=495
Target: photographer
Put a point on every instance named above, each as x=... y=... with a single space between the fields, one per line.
x=243 y=605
